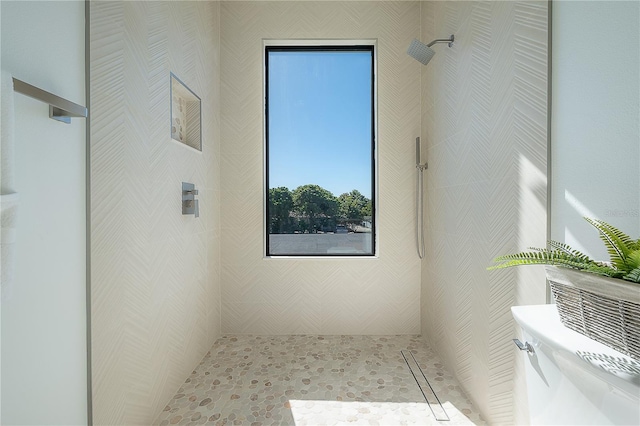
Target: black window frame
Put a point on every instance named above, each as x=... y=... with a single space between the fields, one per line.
x=323 y=48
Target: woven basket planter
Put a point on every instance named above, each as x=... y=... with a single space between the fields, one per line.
x=605 y=309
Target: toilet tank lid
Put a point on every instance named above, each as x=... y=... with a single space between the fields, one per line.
x=542 y=322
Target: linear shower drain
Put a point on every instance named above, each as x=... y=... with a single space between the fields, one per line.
x=425 y=387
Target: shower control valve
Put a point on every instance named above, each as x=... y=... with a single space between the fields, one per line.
x=189 y=203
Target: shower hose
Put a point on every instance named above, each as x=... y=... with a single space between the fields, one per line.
x=420 y=211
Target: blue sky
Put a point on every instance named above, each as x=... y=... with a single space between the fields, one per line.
x=320 y=120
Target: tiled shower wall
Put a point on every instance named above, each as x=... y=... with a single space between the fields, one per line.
x=484 y=124
x=155 y=273
x=156 y=278
x=329 y=296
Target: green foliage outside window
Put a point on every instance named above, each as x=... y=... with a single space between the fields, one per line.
x=311 y=208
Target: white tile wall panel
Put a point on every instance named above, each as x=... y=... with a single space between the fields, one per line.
x=484 y=122
x=326 y=296
x=155 y=273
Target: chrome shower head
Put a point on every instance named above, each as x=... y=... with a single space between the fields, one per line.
x=423 y=52
x=420 y=52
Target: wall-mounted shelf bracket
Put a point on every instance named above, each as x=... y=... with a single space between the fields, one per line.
x=59 y=108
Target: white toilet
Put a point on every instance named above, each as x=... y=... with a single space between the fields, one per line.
x=574 y=380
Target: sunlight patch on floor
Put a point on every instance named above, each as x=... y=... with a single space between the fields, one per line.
x=308 y=413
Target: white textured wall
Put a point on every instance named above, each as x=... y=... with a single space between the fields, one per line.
x=155 y=273
x=484 y=125
x=595 y=121
x=44 y=369
x=330 y=296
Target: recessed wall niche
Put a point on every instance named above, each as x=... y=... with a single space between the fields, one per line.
x=185 y=115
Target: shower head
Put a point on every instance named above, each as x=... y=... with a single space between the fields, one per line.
x=423 y=52
x=420 y=52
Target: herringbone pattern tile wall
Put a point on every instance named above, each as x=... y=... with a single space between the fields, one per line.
x=155 y=273
x=484 y=122
x=158 y=278
x=326 y=296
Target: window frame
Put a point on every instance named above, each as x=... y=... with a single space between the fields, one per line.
x=369 y=45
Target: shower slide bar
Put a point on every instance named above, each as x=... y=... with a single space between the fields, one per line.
x=425 y=387
x=59 y=108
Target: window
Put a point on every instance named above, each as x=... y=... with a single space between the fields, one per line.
x=320 y=150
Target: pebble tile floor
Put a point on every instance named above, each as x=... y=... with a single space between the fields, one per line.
x=315 y=380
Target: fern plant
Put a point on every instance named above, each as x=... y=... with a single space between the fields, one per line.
x=624 y=253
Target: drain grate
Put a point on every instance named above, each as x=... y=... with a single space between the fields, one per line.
x=425 y=387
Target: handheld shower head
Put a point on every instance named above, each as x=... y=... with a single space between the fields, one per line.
x=423 y=53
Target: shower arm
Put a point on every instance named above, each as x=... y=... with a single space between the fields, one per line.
x=442 y=40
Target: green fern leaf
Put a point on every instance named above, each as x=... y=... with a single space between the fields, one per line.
x=634 y=259
x=633 y=276
x=567 y=249
x=544 y=257
x=604 y=270
x=615 y=241
x=624 y=252
x=612 y=230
